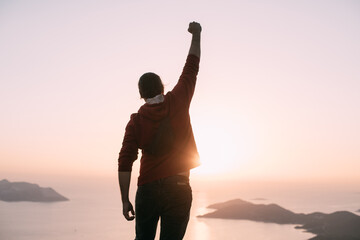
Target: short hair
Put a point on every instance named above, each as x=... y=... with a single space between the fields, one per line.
x=150 y=85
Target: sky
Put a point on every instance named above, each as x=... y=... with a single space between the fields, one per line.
x=277 y=95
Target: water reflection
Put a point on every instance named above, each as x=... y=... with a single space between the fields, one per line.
x=214 y=229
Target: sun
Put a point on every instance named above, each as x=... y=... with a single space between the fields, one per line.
x=222 y=150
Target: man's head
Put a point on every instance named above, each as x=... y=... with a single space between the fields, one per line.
x=150 y=85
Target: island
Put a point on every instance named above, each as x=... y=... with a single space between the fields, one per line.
x=340 y=225
x=259 y=199
x=23 y=191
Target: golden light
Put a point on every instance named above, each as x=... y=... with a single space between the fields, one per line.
x=223 y=149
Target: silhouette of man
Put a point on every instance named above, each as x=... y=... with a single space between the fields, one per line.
x=162 y=130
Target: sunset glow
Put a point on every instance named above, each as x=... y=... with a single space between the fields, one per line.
x=277 y=93
x=275 y=115
x=223 y=148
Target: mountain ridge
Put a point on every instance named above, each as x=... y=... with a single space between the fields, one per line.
x=341 y=225
x=24 y=191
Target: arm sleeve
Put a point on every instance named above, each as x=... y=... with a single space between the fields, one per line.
x=184 y=89
x=129 y=150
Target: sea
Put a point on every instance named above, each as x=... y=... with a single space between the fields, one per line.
x=94 y=210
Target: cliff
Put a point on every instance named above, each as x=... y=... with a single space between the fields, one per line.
x=23 y=191
x=335 y=226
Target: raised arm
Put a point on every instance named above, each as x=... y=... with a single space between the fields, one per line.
x=184 y=89
x=195 y=30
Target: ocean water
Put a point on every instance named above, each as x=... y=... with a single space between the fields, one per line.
x=94 y=211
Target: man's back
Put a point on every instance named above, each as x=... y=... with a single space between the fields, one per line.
x=143 y=126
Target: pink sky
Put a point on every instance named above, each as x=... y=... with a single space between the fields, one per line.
x=277 y=96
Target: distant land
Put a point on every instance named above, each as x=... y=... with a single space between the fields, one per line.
x=259 y=199
x=23 y=191
x=340 y=225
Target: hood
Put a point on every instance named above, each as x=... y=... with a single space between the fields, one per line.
x=155 y=112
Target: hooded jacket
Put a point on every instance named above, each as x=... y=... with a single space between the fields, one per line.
x=143 y=125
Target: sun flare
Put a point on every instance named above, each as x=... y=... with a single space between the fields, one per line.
x=222 y=149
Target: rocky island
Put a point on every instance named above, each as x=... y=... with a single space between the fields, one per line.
x=341 y=225
x=23 y=191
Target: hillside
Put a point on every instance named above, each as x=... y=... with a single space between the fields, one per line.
x=335 y=226
x=23 y=191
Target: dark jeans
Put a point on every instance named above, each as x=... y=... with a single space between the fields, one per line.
x=168 y=199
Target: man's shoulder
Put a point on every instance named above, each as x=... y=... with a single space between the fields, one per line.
x=133 y=119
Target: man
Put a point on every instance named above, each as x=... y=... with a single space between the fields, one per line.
x=161 y=129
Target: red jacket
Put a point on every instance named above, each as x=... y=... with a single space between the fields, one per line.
x=142 y=125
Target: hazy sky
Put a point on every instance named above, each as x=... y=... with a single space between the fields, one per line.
x=278 y=93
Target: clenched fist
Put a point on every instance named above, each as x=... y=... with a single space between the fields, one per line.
x=194 y=27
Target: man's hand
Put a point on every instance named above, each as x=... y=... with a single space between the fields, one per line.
x=127 y=209
x=194 y=27
x=195 y=30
